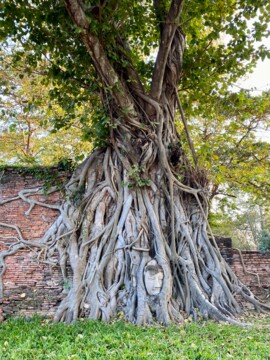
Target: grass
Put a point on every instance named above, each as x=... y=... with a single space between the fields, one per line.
x=36 y=338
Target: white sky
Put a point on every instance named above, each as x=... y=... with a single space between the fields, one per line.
x=259 y=80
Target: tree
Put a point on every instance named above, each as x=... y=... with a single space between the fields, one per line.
x=28 y=117
x=228 y=145
x=243 y=218
x=134 y=225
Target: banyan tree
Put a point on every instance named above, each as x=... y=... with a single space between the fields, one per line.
x=132 y=233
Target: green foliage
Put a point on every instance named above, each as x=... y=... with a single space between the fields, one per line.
x=66 y=285
x=136 y=179
x=243 y=218
x=29 y=117
x=264 y=240
x=66 y=164
x=98 y=130
x=49 y=176
x=221 y=46
x=40 y=339
x=239 y=166
x=227 y=143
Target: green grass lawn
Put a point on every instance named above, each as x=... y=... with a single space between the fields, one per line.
x=40 y=339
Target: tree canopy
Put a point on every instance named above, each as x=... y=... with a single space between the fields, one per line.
x=223 y=42
x=228 y=144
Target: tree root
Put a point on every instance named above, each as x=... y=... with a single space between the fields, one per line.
x=108 y=234
x=245 y=269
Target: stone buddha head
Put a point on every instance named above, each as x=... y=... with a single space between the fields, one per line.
x=153 y=277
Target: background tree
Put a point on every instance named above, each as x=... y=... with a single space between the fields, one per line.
x=244 y=218
x=227 y=143
x=29 y=117
x=134 y=225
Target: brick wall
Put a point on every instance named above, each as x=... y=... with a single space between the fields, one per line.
x=252 y=261
x=32 y=286
x=255 y=262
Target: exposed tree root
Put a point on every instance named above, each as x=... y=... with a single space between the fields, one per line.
x=245 y=269
x=108 y=233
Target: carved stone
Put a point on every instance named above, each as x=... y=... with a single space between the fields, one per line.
x=153 y=277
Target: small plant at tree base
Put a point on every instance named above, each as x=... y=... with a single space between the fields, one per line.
x=66 y=285
x=77 y=195
x=136 y=179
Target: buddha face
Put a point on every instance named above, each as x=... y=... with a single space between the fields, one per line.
x=153 y=277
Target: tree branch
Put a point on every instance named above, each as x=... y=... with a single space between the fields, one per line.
x=101 y=62
x=134 y=80
x=160 y=11
x=184 y=120
x=167 y=36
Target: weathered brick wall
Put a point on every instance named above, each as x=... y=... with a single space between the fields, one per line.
x=33 y=286
x=255 y=262
x=252 y=261
x=30 y=285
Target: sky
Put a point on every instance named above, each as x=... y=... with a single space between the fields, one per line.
x=259 y=80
